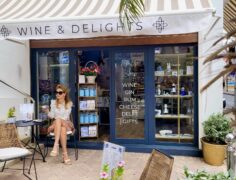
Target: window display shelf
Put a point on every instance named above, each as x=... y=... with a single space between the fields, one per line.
x=173 y=96
x=59 y=65
x=86 y=137
x=173 y=55
x=169 y=116
x=87 y=83
x=184 y=75
x=88 y=109
x=86 y=124
x=175 y=136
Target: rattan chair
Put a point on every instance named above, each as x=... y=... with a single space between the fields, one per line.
x=70 y=135
x=11 y=148
x=158 y=167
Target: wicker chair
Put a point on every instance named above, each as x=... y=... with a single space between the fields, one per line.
x=158 y=167
x=11 y=147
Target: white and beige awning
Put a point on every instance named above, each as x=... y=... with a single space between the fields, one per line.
x=230 y=13
x=60 y=19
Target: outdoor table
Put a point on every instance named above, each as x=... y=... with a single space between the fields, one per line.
x=36 y=148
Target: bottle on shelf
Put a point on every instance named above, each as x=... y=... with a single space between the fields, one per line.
x=158 y=89
x=173 y=89
x=166 y=111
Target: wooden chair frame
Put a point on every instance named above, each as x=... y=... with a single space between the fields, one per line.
x=158 y=167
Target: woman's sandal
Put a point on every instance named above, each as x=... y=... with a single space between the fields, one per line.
x=66 y=161
x=54 y=153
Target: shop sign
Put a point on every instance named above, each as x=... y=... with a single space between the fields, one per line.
x=87 y=28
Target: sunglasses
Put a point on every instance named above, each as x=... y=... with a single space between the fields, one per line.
x=59 y=92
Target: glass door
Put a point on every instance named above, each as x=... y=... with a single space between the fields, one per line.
x=129 y=97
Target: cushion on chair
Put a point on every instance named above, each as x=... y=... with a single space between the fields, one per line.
x=68 y=133
x=13 y=152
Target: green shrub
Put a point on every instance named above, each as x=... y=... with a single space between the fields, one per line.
x=11 y=112
x=203 y=175
x=216 y=127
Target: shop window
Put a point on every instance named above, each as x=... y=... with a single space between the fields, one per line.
x=174 y=94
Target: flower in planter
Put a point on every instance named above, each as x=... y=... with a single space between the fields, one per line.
x=90 y=71
x=103 y=175
x=117 y=172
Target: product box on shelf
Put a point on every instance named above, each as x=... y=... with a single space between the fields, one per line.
x=81 y=79
x=91 y=104
x=189 y=70
x=92 y=131
x=84 y=131
x=83 y=105
x=81 y=92
x=86 y=91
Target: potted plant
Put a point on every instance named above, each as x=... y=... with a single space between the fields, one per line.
x=216 y=127
x=90 y=72
x=11 y=115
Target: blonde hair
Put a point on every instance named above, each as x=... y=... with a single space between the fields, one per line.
x=68 y=102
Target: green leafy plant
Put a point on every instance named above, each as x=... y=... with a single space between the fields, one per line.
x=130 y=11
x=117 y=173
x=11 y=112
x=203 y=175
x=216 y=127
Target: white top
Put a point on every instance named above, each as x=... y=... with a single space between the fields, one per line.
x=61 y=112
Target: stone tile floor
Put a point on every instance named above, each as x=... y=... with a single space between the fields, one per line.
x=87 y=167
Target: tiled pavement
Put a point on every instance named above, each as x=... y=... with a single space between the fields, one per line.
x=87 y=167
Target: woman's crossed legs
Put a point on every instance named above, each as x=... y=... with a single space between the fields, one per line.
x=60 y=131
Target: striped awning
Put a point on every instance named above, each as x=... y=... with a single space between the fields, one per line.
x=50 y=19
x=229 y=13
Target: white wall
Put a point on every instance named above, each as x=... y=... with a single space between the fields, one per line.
x=210 y=101
x=14 y=70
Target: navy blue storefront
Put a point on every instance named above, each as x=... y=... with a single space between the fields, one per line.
x=145 y=96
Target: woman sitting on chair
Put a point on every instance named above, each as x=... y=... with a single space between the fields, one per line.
x=60 y=112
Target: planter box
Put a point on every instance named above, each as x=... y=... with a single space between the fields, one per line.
x=213 y=154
